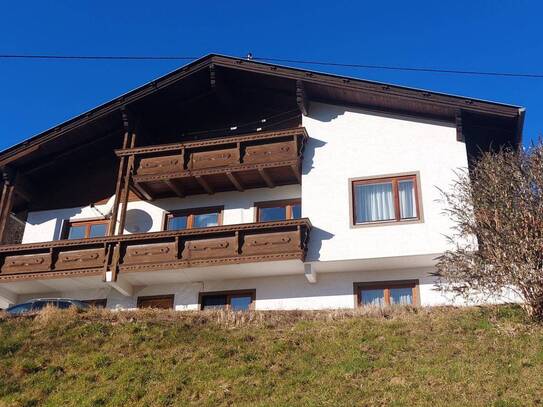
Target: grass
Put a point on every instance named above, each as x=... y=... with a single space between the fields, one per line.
x=403 y=357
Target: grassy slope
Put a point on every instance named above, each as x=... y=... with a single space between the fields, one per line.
x=434 y=357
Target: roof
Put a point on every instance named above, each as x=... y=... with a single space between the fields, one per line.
x=320 y=86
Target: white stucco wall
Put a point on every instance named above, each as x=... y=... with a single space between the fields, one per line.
x=142 y=216
x=347 y=143
x=333 y=290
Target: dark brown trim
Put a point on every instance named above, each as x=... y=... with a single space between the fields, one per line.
x=211 y=171
x=127 y=181
x=118 y=187
x=190 y=212
x=394 y=179
x=169 y=297
x=287 y=203
x=355 y=84
x=214 y=142
x=386 y=285
x=228 y=294
x=6 y=201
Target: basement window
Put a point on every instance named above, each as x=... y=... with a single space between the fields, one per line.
x=156 y=301
x=382 y=293
x=231 y=300
x=278 y=210
x=194 y=218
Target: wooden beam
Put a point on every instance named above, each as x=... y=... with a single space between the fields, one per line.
x=6 y=201
x=204 y=184
x=127 y=179
x=459 y=127
x=175 y=188
x=141 y=190
x=25 y=188
x=296 y=172
x=212 y=76
x=235 y=181
x=269 y=182
x=301 y=98
x=118 y=188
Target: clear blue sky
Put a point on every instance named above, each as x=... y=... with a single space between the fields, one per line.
x=467 y=35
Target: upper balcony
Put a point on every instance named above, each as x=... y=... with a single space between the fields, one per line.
x=263 y=159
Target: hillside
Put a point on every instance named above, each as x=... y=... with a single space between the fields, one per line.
x=437 y=357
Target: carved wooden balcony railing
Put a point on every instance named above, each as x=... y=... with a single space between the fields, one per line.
x=167 y=250
x=256 y=160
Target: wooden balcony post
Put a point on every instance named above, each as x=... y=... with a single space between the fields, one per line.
x=120 y=172
x=6 y=201
x=123 y=178
x=126 y=187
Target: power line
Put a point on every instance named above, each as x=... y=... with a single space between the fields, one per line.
x=402 y=68
x=100 y=57
x=274 y=60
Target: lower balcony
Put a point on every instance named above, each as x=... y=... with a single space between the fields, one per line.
x=103 y=259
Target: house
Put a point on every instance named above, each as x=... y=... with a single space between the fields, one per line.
x=231 y=182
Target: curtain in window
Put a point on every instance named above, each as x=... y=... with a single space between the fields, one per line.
x=374 y=202
x=401 y=296
x=406 y=190
x=373 y=297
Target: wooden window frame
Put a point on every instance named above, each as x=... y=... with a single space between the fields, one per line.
x=390 y=178
x=156 y=297
x=386 y=286
x=190 y=212
x=229 y=294
x=87 y=223
x=287 y=203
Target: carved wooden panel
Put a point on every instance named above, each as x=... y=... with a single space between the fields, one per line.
x=161 y=165
x=150 y=253
x=268 y=243
x=27 y=263
x=211 y=248
x=214 y=159
x=272 y=152
x=77 y=259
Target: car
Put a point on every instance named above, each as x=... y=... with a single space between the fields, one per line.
x=38 y=304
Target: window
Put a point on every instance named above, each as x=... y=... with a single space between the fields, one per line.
x=232 y=300
x=391 y=199
x=156 y=301
x=382 y=293
x=194 y=218
x=278 y=210
x=86 y=229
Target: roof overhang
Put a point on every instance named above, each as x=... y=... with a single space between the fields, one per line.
x=320 y=86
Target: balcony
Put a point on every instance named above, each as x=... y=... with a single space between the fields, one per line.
x=167 y=250
x=256 y=160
